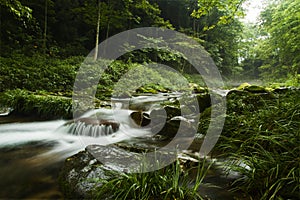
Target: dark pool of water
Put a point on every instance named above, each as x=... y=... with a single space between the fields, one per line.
x=23 y=178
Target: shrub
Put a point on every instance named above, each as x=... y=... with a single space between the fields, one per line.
x=38 y=73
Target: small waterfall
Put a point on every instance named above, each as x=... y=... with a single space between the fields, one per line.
x=91 y=127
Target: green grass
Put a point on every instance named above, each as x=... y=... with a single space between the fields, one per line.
x=264 y=135
x=170 y=182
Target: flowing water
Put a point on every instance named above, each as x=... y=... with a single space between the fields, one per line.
x=31 y=153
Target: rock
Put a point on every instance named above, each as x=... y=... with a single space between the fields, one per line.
x=248 y=97
x=82 y=173
x=171 y=127
x=5 y=111
x=252 y=88
x=256 y=89
x=73 y=176
x=243 y=86
x=283 y=90
x=204 y=101
x=240 y=101
x=171 y=111
x=140 y=118
x=197 y=89
x=146 y=90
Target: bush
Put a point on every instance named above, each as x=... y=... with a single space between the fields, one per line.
x=38 y=73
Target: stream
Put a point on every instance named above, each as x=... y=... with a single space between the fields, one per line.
x=32 y=152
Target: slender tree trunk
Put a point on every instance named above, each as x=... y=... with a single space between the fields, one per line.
x=108 y=22
x=194 y=27
x=107 y=29
x=97 y=33
x=45 y=27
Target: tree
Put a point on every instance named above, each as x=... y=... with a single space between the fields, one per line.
x=229 y=9
x=249 y=51
x=279 y=46
x=45 y=27
x=15 y=7
x=97 y=31
x=17 y=26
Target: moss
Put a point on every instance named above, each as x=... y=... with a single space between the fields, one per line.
x=243 y=86
x=197 y=89
x=31 y=104
x=253 y=88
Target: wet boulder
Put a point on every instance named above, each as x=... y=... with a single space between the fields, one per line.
x=178 y=125
x=140 y=118
x=82 y=174
x=155 y=116
x=73 y=178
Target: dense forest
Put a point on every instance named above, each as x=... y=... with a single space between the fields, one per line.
x=59 y=30
x=45 y=43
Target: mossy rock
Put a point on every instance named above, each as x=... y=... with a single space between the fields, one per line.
x=171 y=127
x=45 y=106
x=147 y=90
x=253 y=88
x=74 y=173
x=197 y=89
x=256 y=89
x=243 y=86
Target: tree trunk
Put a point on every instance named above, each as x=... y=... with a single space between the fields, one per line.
x=97 y=33
x=45 y=28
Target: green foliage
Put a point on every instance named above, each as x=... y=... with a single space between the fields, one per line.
x=170 y=182
x=37 y=104
x=274 y=52
x=141 y=78
x=261 y=137
x=17 y=8
x=38 y=73
x=58 y=76
x=228 y=8
x=223 y=44
x=70 y=24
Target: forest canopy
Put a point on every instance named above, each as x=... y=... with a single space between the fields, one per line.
x=59 y=29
